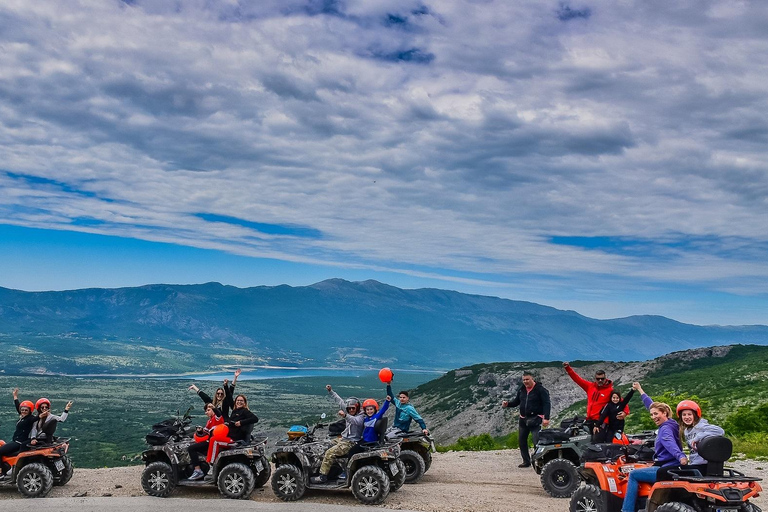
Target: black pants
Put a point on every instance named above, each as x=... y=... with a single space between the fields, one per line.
x=195 y=450
x=8 y=449
x=522 y=436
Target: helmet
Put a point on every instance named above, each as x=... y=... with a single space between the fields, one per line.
x=26 y=403
x=688 y=405
x=352 y=402
x=41 y=402
x=371 y=403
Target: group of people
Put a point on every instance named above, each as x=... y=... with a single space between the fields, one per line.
x=606 y=412
x=32 y=429
x=360 y=425
x=229 y=421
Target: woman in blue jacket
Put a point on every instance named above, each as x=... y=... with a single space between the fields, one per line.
x=668 y=451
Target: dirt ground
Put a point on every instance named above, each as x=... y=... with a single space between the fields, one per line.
x=457 y=481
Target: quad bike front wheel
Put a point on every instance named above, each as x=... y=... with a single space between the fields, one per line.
x=560 y=478
x=288 y=482
x=158 y=479
x=588 y=498
x=398 y=480
x=65 y=475
x=370 y=485
x=34 y=480
x=414 y=466
x=236 y=481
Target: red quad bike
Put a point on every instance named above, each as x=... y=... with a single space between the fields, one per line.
x=35 y=471
x=680 y=489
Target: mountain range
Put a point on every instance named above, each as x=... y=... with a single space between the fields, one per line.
x=334 y=323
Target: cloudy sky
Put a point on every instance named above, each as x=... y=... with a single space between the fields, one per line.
x=607 y=156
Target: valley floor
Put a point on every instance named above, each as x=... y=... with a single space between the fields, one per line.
x=457 y=481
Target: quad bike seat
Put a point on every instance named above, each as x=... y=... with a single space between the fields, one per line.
x=716 y=450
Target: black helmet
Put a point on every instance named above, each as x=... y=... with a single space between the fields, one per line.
x=352 y=402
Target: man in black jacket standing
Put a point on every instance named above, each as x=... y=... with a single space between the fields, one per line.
x=533 y=399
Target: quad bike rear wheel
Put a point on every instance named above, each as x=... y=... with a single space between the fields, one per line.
x=370 y=485
x=399 y=479
x=560 y=478
x=588 y=498
x=675 y=506
x=262 y=478
x=288 y=482
x=158 y=479
x=34 y=480
x=236 y=481
x=66 y=474
x=414 y=466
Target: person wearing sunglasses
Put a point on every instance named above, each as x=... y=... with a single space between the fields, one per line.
x=222 y=397
x=241 y=419
x=21 y=434
x=45 y=426
x=598 y=395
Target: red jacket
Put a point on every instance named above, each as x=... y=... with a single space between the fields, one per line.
x=597 y=396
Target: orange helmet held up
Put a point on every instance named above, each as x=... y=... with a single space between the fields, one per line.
x=41 y=402
x=28 y=404
x=371 y=403
x=385 y=375
x=688 y=405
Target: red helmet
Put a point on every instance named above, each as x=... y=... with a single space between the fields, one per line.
x=28 y=404
x=41 y=402
x=688 y=405
x=371 y=403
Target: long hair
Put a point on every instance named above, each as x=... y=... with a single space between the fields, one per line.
x=665 y=408
x=218 y=402
x=684 y=427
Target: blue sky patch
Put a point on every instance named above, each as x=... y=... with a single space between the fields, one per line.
x=269 y=229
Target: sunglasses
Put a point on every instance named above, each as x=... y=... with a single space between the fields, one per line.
x=599 y=378
x=45 y=407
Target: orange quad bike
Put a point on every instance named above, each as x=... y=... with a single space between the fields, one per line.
x=706 y=488
x=37 y=469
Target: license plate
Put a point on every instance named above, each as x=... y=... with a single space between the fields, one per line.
x=393 y=468
x=259 y=466
x=59 y=465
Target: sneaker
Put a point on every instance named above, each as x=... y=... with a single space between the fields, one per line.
x=319 y=479
x=342 y=476
x=524 y=465
x=196 y=475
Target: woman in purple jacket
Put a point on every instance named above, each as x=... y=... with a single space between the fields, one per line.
x=668 y=451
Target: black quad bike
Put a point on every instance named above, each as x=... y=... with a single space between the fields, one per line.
x=37 y=469
x=237 y=469
x=557 y=456
x=371 y=474
x=416 y=449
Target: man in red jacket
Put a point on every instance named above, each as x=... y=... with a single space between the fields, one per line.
x=598 y=394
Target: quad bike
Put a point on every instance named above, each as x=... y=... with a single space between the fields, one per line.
x=679 y=489
x=237 y=469
x=36 y=470
x=559 y=452
x=557 y=456
x=416 y=449
x=371 y=474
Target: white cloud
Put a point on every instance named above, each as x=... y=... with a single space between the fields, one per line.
x=453 y=135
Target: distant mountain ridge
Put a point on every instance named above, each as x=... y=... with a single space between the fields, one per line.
x=164 y=328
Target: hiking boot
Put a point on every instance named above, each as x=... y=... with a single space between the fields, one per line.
x=524 y=465
x=319 y=479
x=197 y=474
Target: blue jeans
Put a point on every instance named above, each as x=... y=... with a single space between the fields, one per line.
x=636 y=476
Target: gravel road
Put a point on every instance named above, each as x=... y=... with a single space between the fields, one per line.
x=457 y=481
